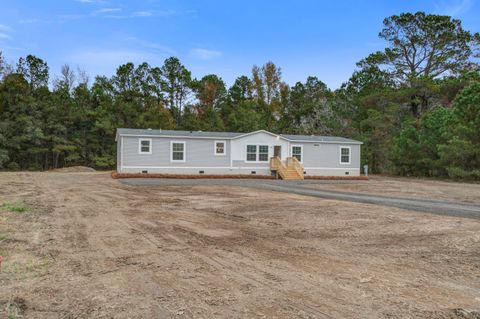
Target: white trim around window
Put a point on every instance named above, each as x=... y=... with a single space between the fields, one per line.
x=257 y=152
x=215 y=148
x=341 y=148
x=140 y=142
x=183 y=151
x=301 y=151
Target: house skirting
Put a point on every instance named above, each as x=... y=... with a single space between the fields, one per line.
x=316 y=171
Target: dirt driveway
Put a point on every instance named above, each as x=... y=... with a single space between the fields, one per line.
x=88 y=246
x=341 y=190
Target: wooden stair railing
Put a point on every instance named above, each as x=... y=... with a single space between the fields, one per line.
x=277 y=165
x=292 y=170
x=298 y=167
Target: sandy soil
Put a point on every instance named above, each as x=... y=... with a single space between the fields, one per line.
x=91 y=247
x=408 y=188
x=73 y=169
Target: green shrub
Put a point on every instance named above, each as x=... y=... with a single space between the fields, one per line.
x=459 y=173
x=14 y=208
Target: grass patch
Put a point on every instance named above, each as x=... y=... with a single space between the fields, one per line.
x=15 y=308
x=31 y=266
x=14 y=208
x=3 y=236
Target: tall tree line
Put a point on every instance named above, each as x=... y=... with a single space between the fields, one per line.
x=415 y=105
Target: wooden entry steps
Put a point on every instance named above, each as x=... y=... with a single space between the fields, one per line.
x=292 y=169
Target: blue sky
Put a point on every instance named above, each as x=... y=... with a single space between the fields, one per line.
x=319 y=38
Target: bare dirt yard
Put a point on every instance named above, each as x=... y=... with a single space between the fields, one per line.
x=82 y=245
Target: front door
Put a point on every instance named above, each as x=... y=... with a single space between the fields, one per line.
x=277 y=151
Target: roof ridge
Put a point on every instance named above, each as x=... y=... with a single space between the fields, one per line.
x=233 y=135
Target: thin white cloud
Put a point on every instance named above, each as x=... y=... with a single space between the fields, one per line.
x=106 y=10
x=205 y=54
x=109 y=13
x=4 y=28
x=5 y=32
x=142 y=14
x=454 y=9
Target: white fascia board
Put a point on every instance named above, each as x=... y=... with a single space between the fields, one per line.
x=259 y=131
x=178 y=136
x=326 y=142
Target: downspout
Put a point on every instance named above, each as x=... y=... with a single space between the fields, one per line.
x=231 y=159
x=121 y=154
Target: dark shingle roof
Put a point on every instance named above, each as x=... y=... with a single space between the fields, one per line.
x=231 y=135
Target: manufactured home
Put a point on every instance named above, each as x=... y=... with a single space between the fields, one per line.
x=260 y=153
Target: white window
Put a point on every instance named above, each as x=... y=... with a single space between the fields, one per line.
x=297 y=152
x=257 y=153
x=251 y=153
x=263 y=153
x=220 y=148
x=345 y=154
x=178 y=151
x=145 y=146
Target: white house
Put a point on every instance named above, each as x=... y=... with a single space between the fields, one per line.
x=260 y=152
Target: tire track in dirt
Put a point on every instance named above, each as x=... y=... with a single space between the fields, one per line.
x=447 y=208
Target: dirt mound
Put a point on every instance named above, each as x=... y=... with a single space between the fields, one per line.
x=74 y=169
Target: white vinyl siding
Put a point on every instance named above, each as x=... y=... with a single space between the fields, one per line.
x=199 y=154
x=144 y=146
x=178 y=151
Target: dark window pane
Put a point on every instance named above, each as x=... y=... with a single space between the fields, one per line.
x=177 y=147
x=220 y=148
x=297 y=153
x=263 y=157
x=177 y=156
x=345 y=155
x=263 y=153
x=145 y=146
